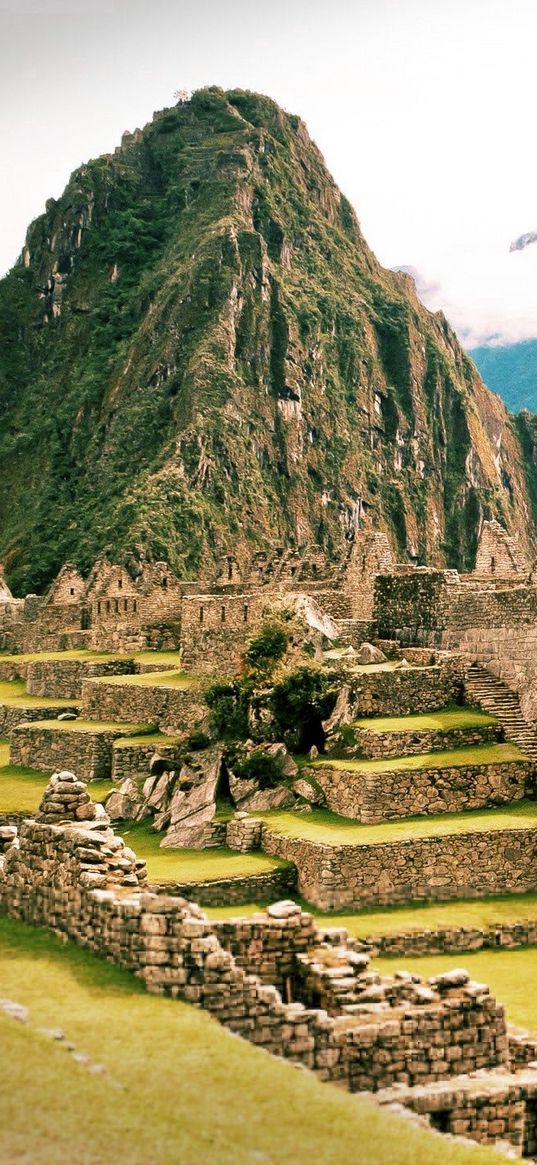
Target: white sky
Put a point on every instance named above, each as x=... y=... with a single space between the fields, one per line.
x=424 y=109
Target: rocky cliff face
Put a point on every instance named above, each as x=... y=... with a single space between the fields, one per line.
x=200 y=354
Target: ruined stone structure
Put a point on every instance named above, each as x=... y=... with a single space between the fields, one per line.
x=211 y=619
x=69 y=872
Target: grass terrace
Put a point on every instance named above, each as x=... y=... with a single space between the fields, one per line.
x=184 y=865
x=326 y=828
x=475 y=755
x=155 y=739
x=96 y=726
x=159 y=657
x=171 y=679
x=184 y=1066
x=445 y=721
x=13 y=693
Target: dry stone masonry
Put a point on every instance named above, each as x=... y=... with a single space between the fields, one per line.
x=69 y=872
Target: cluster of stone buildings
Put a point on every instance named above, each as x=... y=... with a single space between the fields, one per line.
x=367 y=594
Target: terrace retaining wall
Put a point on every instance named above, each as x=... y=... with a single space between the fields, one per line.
x=172 y=709
x=51 y=750
x=372 y=797
x=382 y=745
x=464 y=865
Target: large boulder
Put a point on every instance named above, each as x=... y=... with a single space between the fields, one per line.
x=370 y=654
x=126 y=803
x=193 y=801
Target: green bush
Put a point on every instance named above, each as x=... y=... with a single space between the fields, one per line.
x=198 y=740
x=300 y=703
x=229 y=711
x=259 y=767
x=267 y=648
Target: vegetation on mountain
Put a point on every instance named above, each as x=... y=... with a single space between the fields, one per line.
x=199 y=355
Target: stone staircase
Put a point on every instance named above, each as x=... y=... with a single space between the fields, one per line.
x=495 y=697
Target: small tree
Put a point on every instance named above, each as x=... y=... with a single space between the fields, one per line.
x=266 y=649
x=301 y=702
x=229 y=711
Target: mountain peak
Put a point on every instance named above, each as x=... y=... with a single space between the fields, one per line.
x=200 y=354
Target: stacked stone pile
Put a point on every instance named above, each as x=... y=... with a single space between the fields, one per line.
x=67 y=799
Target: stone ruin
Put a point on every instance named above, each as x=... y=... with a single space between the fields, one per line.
x=440 y=1048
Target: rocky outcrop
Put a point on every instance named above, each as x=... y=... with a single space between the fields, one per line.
x=192 y=807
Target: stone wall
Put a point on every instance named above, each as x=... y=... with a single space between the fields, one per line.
x=132 y=760
x=81 y=881
x=215 y=629
x=383 y=745
x=403 y=691
x=493 y=1112
x=171 y=709
x=62 y=678
x=49 y=749
x=267 y=945
x=372 y=797
x=451 y=940
x=267 y=887
x=464 y=865
x=12 y=715
x=498 y=553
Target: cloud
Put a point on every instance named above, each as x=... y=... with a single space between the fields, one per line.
x=523 y=241
x=489 y=297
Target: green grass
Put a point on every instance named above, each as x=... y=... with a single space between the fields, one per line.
x=178 y=1087
x=171 y=657
x=184 y=865
x=444 y=721
x=143 y=730
x=510 y=974
x=21 y=789
x=327 y=829
x=469 y=913
x=153 y=738
x=13 y=694
x=171 y=679
x=477 y=754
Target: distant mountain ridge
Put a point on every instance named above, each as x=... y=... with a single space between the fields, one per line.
x=511 y=371
x=200 y=355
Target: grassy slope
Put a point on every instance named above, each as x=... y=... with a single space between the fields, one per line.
x=171 y=657
x=178 y=1087
x=509 y=974
x=480 y=754
x=444 y=721
x=184 y=865
x=13 y=693
x=327 y=829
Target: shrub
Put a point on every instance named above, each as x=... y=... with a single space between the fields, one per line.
x=267 y=648
x=259 y=767
x=300 y=703
x=198 y=740
x=229 y=711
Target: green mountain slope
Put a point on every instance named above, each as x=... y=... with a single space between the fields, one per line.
x=200 y=354
x=511 y=371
